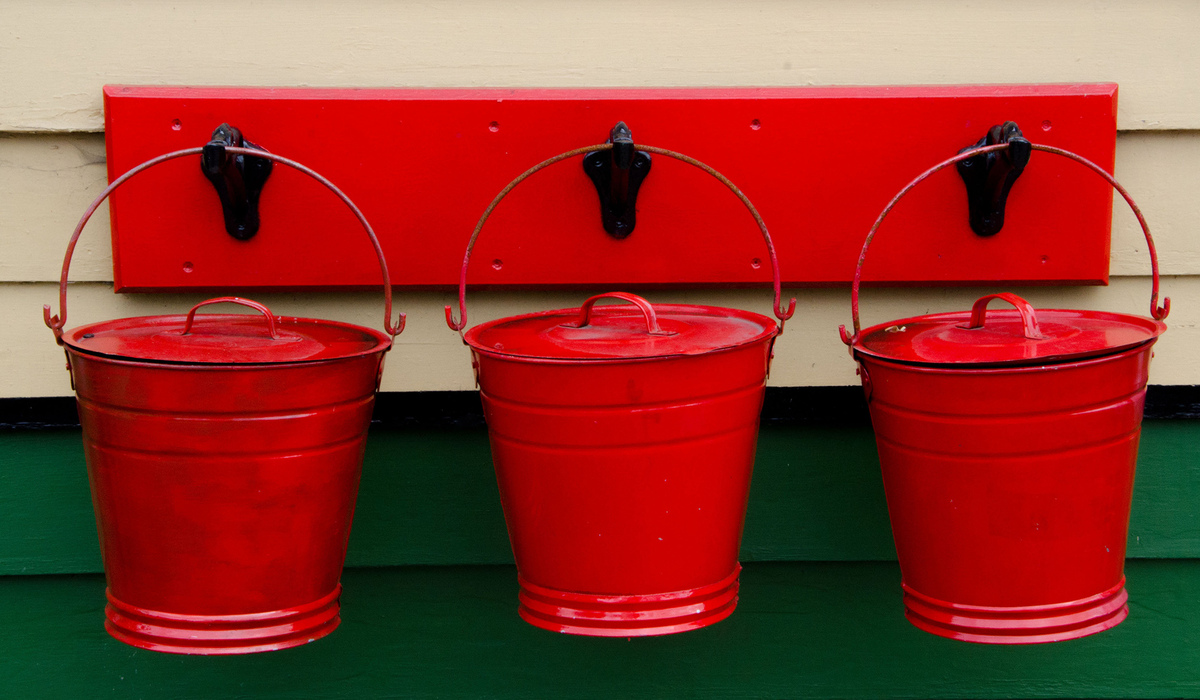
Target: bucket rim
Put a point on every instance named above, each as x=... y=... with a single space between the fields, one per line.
x=529 y=359
x=1153 y=327
x=383 y=343
x=770 y=331
x=1006 y=367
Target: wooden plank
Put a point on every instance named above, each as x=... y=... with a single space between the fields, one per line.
x=429 y=497
x=50 y=179
x=57 y=55
x=1161 y=173
x=428 y=357
x=424 y=178
x=811 y=630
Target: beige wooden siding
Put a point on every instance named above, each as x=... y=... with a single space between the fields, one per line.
x=49 y=179
x=428 y=356
x=54 y=58
x=55 y=55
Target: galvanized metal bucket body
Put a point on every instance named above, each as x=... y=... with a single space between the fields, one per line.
x=224 y=453
x=1008 y=445
x=623 y=440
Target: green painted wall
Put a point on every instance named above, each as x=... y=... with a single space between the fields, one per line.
x=802 y=630
x=429 y=497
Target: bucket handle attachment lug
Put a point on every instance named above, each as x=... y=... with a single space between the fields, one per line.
x=1157 y=312
x=58 y=321
x=781 y=312
x=187 y=325
x=1028 y=315
x=652 y=327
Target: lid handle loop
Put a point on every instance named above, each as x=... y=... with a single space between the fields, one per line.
x=1157 y=312
x=1028 y=316
x=585 y=312
x=781 y=313
x=187 y=325
x=58 y=321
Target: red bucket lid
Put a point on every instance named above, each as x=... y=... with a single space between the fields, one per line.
x=1019 y=337
x=643 y=331
x=225 y=338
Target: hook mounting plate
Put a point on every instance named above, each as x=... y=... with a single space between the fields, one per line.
x=618 y=174
x=238 y=179
x=990 y=176
x=429 y=161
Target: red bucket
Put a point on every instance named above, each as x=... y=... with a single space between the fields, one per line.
x=224 y=455
x=623 y=440
x=1008 y=442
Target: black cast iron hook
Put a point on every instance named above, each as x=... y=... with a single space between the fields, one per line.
x=617 y=175
x=990 y=176
x=238 y=179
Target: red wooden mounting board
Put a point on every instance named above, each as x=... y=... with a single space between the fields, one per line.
x=819 y=163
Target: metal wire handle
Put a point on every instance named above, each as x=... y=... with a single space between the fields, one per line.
x=1029 y=324
x=647 y=309
x=1157 y=312
x=56 y=323
x=267 y=315
x=780 y=313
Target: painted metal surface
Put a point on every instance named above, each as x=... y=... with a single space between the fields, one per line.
x=623 y=442
x=1011 y=336
x=223 y=496
x=624 y=485
x=226 y=338
x=1008 y=448
x=1009 y=492
x=438 y=488
x=609 y=332
x=811 y=158
x=224 y=454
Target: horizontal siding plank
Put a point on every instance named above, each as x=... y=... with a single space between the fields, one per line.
x=54 y=57
x=1161 y=171
x=429 y=357
x=50 y=179
x=812 y=630
x=429 y=497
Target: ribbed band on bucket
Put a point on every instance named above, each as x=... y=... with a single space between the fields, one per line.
x=600 y=615
x=222 y=634
x=1032 y=624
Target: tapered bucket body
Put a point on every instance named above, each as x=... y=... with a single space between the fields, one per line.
x=224 y=451
x=624 y=480
x=1008 y=451
x=223 y=491
x=1008 y=439
x=1009 y=492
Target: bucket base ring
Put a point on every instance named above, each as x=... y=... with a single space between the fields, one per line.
x=1033 y=624
x=599 y=615
x=222 y=634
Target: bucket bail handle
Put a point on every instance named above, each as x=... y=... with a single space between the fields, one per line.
x=1157 y=312
x=1029 y=322
x=585 y=312
x=56 y=322
x=191 y=317
x=782 y=313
